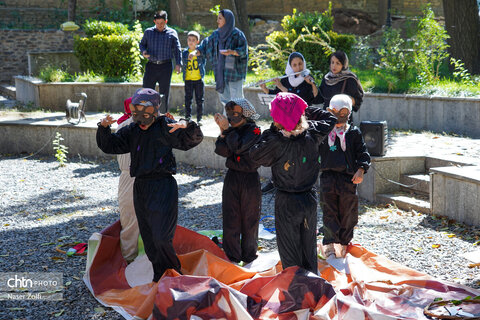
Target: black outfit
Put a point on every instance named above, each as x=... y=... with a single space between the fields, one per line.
x=241 y=196
x=352 y=88
x=198 y=87
x=161 y=73
x=304 y=91
x=338 y=197
x=295 y=167
x=155 y=190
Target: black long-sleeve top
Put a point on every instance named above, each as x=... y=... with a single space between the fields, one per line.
x=304 y=91
x=236 y=144
x=151 y=149
x=326 y=92
x=349 y=161
x=294 y=160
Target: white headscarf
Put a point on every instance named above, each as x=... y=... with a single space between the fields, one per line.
x=295 y=81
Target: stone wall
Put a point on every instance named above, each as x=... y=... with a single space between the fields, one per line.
x=16 y=44
x=35 y=14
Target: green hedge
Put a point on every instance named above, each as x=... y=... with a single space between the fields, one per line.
x=110 y=54
x=94 y=27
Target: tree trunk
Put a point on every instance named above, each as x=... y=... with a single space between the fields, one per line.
x=239 y=8
x=177 y=16
x=462 y=24
x=72 y=6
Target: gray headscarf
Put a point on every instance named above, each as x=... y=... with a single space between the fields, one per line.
x=248 y=109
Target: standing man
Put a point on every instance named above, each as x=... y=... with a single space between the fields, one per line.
x=159 y=45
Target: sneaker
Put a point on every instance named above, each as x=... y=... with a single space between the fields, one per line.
x=329 y=250
x=200 y=123
x=269 y=187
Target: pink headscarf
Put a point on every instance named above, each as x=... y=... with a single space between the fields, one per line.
x=286 y=109
x=128 y=113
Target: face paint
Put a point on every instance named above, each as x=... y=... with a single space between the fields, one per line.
x=143 y=116
x=342 y=115
x=234 y=117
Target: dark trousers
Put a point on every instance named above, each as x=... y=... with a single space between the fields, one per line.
x=296 y=225
x=198 y=87
x=241 y=201
x=156 y=207
x=161 y=73
x=339 y=202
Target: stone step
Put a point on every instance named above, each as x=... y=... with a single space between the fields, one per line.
x=419 y=183
x=406 y=201
x=7 y=90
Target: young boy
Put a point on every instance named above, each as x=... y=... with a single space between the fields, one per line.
x=344 y=162
x=193 y=73
x=290 y=147
x=241 y=196
x=150 y=140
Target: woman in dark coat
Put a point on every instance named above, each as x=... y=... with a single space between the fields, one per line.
x=340 y=80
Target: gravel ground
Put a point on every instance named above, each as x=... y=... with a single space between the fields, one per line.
x=43 y=205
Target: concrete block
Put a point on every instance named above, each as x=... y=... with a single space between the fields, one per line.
x=412 y=165
x=455 y=193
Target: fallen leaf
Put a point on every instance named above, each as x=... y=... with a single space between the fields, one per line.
x=57 y=258
x=99 y=310
x=47 y=244
x=416 y=249
x=16 y=309
x=6 y=224
x=451 y=235
x=435 y=246
x=384 y=217
x=68 y=283
x=435 y=137
x=58 y=314
x=21 y=262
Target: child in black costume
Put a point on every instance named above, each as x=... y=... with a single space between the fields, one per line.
x=291 y=148
x=344 y=160
x=241 y=196
x=150 y=140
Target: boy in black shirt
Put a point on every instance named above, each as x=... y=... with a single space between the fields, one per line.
x=241 y=196
x=344 y=160
x=150 y=140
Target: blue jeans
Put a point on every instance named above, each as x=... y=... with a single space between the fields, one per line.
x=232 y=90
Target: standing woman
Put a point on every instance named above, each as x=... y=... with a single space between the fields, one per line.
x=226 y=48
x=304 y=87
x=340 y=80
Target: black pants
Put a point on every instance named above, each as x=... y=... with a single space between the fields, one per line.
x=241 y=201
x=296 y=225
x=339 y=202
x=161 y=73
x=156 y=207
x=198 y=87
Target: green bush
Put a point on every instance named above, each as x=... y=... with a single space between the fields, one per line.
x=307 y=33
x=94 y=27
x=111 y=54
x=430 y=47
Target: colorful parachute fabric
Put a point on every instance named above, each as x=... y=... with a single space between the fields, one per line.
x=363 y=286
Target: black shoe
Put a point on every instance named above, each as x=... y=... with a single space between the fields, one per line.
x=269 y=187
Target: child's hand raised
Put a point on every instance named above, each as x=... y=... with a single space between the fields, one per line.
x=182 y=124
x=358 y=176
x=108 y=120
x=221 y=121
